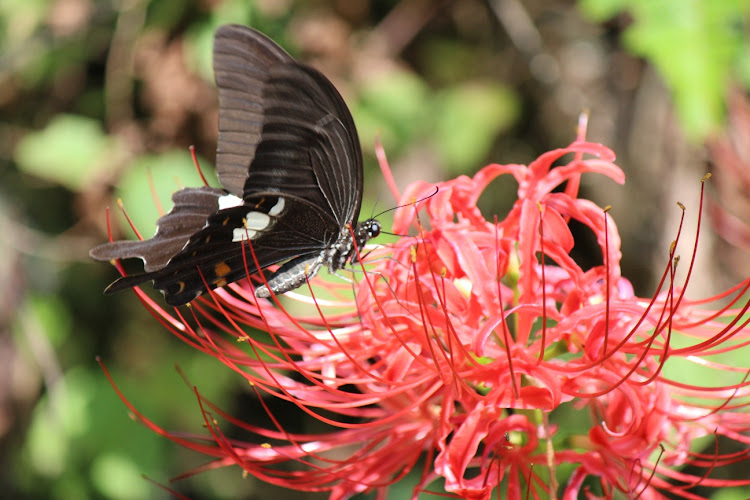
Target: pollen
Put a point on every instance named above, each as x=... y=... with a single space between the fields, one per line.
x=463 y=285
x=222 y=269
x=220 y=282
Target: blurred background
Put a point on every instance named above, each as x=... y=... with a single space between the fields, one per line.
x=100 y=99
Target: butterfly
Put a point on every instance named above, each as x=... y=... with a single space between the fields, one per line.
x=290 y=164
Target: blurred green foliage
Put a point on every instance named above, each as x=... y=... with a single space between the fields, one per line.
x=77 y=142
x=696 y=45
x=460 y=123
x=458 y=89
x=166 y=172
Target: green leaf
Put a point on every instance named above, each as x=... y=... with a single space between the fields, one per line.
x=447 y=61
x=117 y=477
x=726 y=493
x=198 y=47
x=57 y=419
x=68 y=151
x=167 y=172
x=468 y=119
x=743 y=65
x=695 y=45
x=19 y=19
x=602 y=10
x=392 y=107
x=52 y=317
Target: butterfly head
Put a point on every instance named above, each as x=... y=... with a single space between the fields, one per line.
x=365 y=230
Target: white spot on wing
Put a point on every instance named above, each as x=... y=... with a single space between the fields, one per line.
x=278 y=208
x=241 y=233
x=257 y=221
x=229 y=201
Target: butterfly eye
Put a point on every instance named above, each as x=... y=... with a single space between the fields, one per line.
x=374 y=229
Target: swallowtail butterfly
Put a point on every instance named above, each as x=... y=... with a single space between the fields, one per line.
x=290 y=164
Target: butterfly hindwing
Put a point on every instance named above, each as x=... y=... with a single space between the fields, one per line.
x=219 y=253
x=191 y=209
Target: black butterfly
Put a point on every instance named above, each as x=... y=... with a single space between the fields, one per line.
x=290 y=162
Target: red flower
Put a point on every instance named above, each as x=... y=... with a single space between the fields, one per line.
x=474 y=346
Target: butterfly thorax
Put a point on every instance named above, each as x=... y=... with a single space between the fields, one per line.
x=344 y=250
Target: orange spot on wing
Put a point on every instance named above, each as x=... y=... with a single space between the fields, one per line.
x=221 y=269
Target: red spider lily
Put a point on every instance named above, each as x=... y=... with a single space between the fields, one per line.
x=473 y=347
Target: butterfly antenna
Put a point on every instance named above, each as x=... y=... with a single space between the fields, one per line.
x=408 y=204
x=372 y=213
x=197 y=164
x=413 y=203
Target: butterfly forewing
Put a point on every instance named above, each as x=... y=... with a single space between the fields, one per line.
x=243 y=59
x=310 y=147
